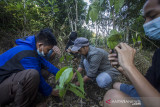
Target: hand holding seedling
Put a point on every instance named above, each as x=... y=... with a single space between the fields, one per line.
x=125 y=55
x=55 y=92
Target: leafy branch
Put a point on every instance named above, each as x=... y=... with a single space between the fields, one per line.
x=64 y=76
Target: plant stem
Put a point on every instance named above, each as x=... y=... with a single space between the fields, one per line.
x=63 y=101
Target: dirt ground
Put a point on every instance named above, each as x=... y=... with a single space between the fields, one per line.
x=94 y=94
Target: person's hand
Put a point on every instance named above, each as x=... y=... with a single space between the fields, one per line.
x=125 y=55
x=113 y=58
x=55 y=92
x=57 y=50
x=68 y=50
x=74 y=75
x=77 y=83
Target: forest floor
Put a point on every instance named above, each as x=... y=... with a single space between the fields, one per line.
x=94 y=94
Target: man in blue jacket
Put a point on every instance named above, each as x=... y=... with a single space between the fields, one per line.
x=20 y=69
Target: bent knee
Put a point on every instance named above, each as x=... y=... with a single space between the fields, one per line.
x=34 y=75
x=103 y=80
x=114 y=93
x=111 y=93
x=103 y=83
x=33 y=72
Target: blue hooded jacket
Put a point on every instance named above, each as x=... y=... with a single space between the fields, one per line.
x=24 y=56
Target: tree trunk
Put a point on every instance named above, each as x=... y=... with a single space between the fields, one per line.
x=25 y=20
x=127 y=33
x=76 y=15
x=113 y=18
x=96 y=35
x=70 y=20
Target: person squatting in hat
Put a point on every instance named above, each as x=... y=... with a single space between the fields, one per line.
x=95 y=62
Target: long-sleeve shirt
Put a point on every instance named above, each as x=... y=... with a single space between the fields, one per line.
x=98 y=62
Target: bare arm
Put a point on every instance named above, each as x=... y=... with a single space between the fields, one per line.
x=79 y=70
x=144 y=88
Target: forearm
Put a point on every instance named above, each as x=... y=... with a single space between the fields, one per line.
x=143 y=87
x=79 y=69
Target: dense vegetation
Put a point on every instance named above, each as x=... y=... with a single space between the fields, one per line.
x=113 y=21
x=25 y=17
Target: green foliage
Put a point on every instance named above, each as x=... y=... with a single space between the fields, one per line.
x=59 y=73
x=134 y=41
x=65 y=75
x=113 y=39
x=94 y=13
x=111 y=2
x=137 y=40
x=117 y=4
x=62 y=92
x=67 y=59
x=94 y=10
x=80 y=79
x=33 y=15
x=88 y=17
x=84 y=32
x=61 y=59
x=101 y=1
x=137 y=25
x=76 y=91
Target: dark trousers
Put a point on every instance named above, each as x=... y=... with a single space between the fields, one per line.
x=20 y=88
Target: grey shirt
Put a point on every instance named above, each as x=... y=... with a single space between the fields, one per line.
x=98 y=62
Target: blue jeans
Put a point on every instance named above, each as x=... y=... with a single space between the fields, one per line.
x=103 y=79
x=131 y=91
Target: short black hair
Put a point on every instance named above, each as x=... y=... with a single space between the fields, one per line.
x=46 y=37
x=73 y=36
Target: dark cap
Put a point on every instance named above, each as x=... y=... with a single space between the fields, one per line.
x=73 y=36
x=79 y=42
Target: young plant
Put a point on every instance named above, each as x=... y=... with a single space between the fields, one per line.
x=114 y=39
x=66 y=59
x=64 y=76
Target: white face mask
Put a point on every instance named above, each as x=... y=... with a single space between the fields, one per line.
x=152 y=29
x=40 y=53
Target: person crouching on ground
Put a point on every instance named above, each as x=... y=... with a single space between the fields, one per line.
x=20 y=70
x=95 y=62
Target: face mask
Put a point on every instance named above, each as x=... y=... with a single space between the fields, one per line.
x=49 y=53
x=152 y=29
x=40 y=53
